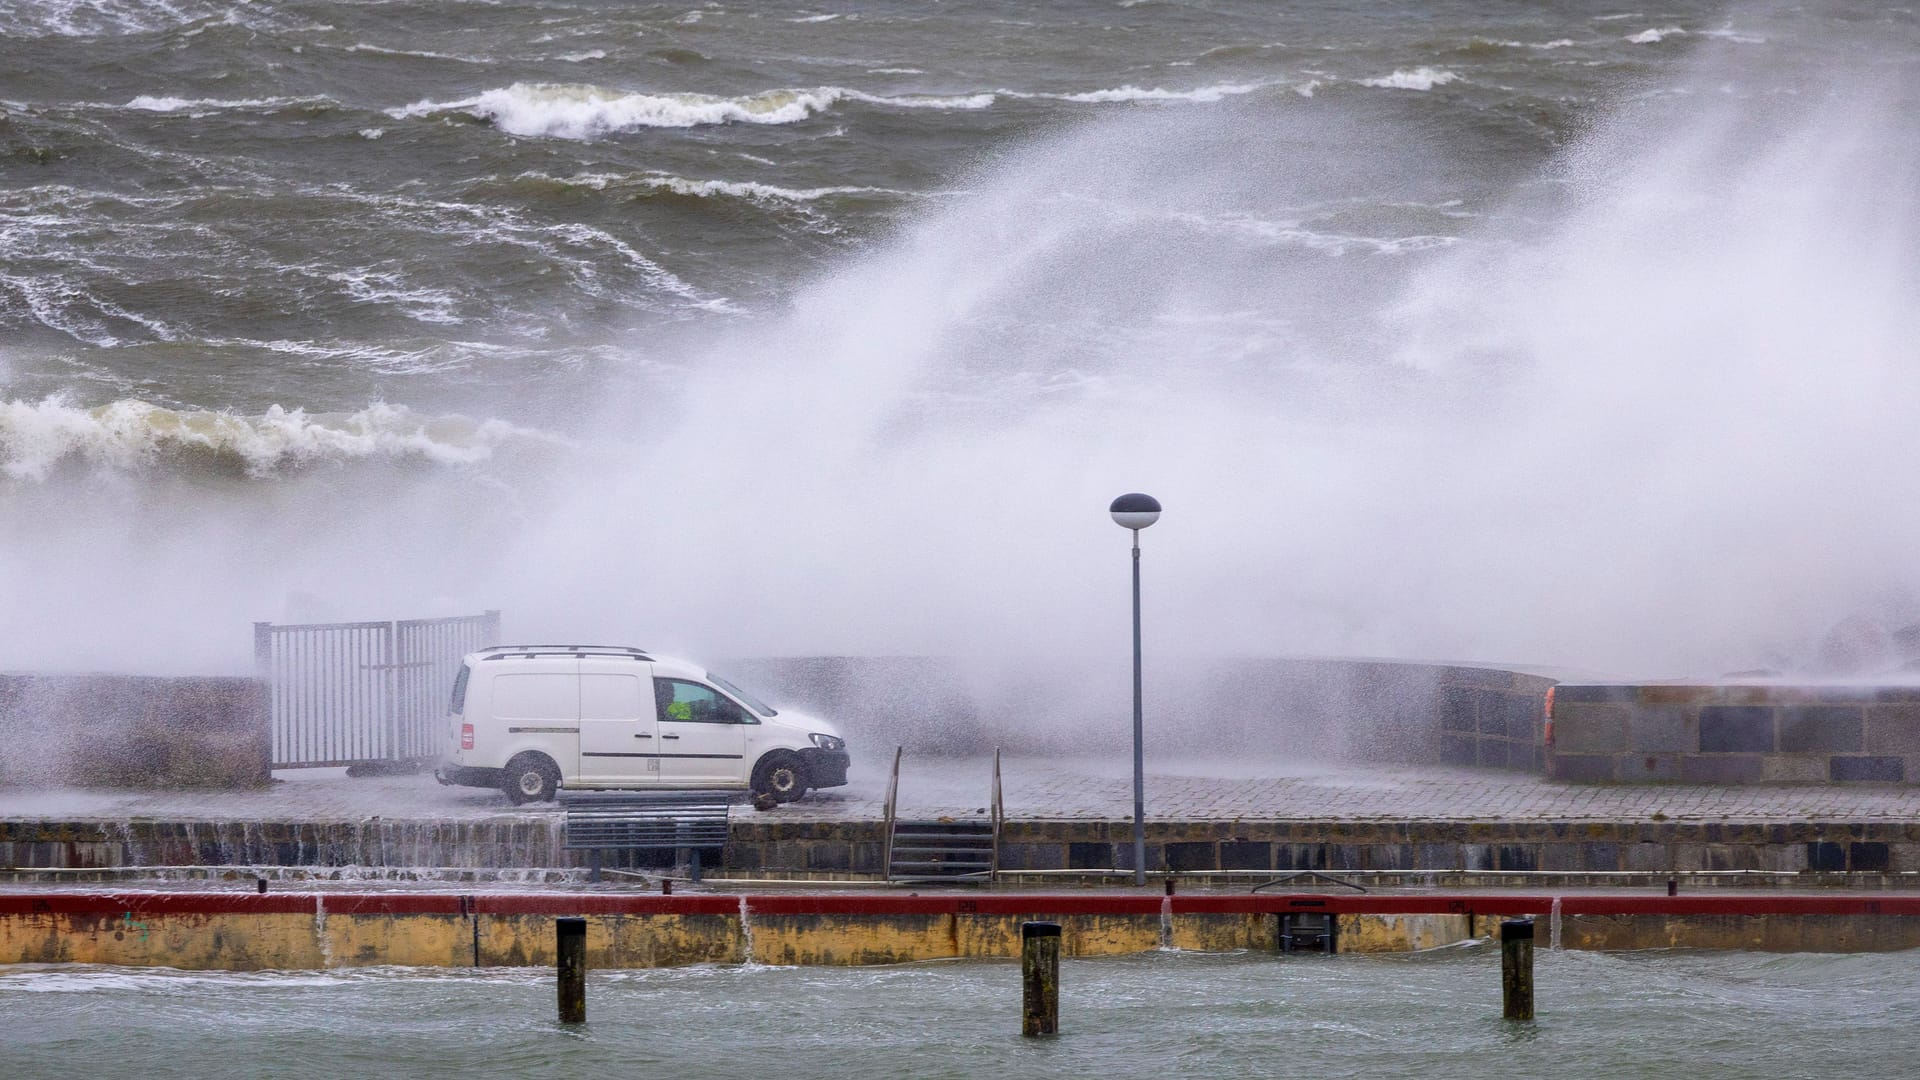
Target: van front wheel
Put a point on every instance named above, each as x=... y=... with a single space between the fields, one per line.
x=782 y=775
x=530 y=778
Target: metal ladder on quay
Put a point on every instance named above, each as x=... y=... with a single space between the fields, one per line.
x=936 y=850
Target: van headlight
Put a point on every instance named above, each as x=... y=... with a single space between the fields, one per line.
x=828 y=742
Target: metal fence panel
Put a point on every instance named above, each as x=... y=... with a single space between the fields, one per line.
x=367 y=692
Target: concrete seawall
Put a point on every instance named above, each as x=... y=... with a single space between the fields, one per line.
x=773 y=848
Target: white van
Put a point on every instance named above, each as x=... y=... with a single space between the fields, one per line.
x=529 y=718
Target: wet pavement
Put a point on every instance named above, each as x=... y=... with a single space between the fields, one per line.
x=1052 y=788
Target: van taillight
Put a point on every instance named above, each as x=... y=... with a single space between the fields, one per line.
x=466 y=736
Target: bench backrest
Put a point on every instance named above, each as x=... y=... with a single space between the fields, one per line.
x=624 y=819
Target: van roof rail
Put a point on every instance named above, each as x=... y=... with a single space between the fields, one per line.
x=498 y=652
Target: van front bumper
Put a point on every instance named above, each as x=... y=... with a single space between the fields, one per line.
x=467 y=777
x=825 y=768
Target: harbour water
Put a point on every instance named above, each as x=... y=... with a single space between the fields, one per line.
x=1700 y=1016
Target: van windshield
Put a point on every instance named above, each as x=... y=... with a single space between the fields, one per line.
x=753 y=703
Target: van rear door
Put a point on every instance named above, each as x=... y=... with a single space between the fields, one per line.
x=617 y=736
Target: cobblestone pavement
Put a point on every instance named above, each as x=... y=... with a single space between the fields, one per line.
x=1058 y=789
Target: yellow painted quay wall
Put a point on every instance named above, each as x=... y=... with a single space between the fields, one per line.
x=291 y=931
x=241 y=937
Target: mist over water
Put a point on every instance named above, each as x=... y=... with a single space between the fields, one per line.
x=1529 y=341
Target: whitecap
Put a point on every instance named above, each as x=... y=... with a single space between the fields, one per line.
x=576 y=111
x=207 y=106
x=582 y=111
x=1420 y=78
x=1559 y=43
x=1649 y=36
x=1136 y=93
x=961 y=102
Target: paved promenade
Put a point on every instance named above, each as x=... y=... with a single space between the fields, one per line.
x=1055 y=789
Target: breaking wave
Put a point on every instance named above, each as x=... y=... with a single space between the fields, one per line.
x=580 y=111
x=1136 y=93
x=1420 y=78
x=205 y=106
x=584 y=111
x=37 y=437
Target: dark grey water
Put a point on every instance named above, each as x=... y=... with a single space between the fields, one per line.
x=313 y=205
x=691 y=323
x=1698 y=1016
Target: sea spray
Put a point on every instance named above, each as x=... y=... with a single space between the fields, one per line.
x=1416 y=373
x=321 y=937
x=746 y=932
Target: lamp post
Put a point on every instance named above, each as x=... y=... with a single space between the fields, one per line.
x=1134 y=512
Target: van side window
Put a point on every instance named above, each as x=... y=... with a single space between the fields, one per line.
x=690 y=703
x=460 y=690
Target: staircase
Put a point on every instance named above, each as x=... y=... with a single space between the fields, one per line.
x=940 y=850
x=943 y=849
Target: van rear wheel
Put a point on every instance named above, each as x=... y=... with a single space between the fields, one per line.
x=782 y=775
x=530 y=778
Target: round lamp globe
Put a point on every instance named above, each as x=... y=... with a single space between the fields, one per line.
x=1135 y=511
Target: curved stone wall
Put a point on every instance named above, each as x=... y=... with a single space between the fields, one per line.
x=1334 y=710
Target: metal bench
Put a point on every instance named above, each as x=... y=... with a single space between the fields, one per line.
x=644 y=821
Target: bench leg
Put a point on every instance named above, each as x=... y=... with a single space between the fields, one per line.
x=696 y=866
x=593 y=866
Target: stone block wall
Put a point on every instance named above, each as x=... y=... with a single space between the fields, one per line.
x=1384 y=711
x=129 y=731
x=1490 y=847
x=1735 y=734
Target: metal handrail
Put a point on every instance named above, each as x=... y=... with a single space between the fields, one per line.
x=893 y=795
x=999 y=817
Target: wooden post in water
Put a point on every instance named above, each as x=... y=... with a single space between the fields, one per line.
x=1516 y=968
x=1040 y=978
x=571 y=937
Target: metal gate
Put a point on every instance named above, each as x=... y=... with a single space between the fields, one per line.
x=364 y=693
